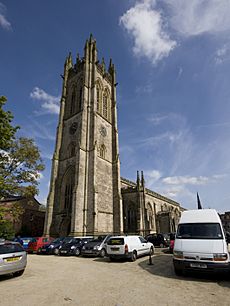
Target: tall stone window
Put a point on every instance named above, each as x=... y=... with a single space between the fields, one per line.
x=102 y=151
x=68 y=197
x=98 y=98
x=72 y=149
x=105 y=105
x=72 y=102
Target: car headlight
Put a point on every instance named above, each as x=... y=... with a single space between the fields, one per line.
x=60 y=247
x=51 y=246
x=220 y=257
x=73 y=247
x=96 y=247
x=178 y=254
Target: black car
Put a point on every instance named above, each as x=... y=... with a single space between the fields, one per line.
x=160 y=240
x=49 y=249
x=73 y=246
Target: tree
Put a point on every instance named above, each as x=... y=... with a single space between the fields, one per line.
x=7 y=131
x=20 y=168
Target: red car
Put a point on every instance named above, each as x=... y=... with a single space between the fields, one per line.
x=35 y=245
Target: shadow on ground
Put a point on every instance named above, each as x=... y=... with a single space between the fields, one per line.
x=163 y=266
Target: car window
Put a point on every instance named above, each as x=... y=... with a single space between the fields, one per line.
x=199 y=231
x=33 y=240
x=142 y=239
x=45 y=239
x=10 y=248
x=116 y=241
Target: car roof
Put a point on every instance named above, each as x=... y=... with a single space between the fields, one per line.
x=200 y=216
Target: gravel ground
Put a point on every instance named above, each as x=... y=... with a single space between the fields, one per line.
x=54 y=280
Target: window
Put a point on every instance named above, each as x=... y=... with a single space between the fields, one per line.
x=68 y=196
x=72 y=149
x=199 y=231
x=105 y=105
x=79 y=99
x=72 y=105
x=98 y=98
x=102 y=151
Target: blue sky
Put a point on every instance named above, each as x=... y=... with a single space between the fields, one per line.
x=173 y=65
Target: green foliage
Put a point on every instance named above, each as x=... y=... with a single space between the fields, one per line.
x=6 y=226
x=20 y=168
x=7 y=131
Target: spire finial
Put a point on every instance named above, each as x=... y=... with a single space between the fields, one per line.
x=138 y=180
x=142 y=179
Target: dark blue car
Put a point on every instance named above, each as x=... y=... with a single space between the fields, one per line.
x=49 y=249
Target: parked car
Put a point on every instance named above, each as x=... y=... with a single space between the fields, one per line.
x=49 y=249
x=74 y=246
x=96 y=247
x=172 y=241
x=65 y=240
x=128 y=247
x=26 y=241
x=35 y=245
x=160 y=240
x=13 y=258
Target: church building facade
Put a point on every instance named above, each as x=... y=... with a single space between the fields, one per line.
x=87 y=195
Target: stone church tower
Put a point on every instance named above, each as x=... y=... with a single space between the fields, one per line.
x=85 y=192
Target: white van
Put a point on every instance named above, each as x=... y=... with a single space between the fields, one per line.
x=128 y=247
x=200 y=243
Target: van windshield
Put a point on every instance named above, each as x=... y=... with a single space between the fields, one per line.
x=199 y=231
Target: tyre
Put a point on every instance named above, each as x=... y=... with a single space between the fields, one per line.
x=56 y=251
x=134 y=256
x=178 y=272
x=103 y=253
x=151 y=252
x=18 y=273
x=77 y=252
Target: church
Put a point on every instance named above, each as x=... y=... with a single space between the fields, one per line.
x=87 y=195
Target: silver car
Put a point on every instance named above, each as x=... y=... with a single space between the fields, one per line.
x=13 y=258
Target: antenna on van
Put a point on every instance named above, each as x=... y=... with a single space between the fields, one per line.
x=198 y=201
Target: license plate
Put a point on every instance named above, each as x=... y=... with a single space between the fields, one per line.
x=12 y=259
x=63 y=251
x=198 y=265
x=88 y=251
x=115 y=249
x=43 y=250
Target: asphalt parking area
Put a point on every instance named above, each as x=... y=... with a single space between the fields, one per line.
x=55 y=280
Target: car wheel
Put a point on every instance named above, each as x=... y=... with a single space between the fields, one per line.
x=151 y=252
x=56 y=251
x=134 y=256
x=39 y=251
x=18 y=273
x=103 y=253
x=178 y=272
x=77 y=252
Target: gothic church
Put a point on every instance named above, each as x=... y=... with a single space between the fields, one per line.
x=87 y=195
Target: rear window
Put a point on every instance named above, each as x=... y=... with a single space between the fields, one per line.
x=10 y=248
x=116 y=241
x=199 y=231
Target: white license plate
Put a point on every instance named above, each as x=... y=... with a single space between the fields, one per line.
x=114 y=249
x=88 y=251
x=198 y=265
x=64 y=252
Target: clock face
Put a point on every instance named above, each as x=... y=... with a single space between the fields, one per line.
x=103 y=131
x=73 y=128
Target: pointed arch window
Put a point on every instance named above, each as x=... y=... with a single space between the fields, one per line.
x=68 y=197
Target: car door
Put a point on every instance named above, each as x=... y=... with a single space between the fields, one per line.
x=144 y=247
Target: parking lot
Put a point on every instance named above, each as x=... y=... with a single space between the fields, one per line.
x=55 y=280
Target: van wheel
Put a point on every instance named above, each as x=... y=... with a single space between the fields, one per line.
x=151 y=252
x=77 y=252
x=18 y=273
x=102 y=253
x=134 y=256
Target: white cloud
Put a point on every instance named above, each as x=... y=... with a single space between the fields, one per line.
x=151 y=177
x=195 y=17
x=222 y=54
x=4 y=23
x=192 y=180
x=146 y=26
x=49 y=103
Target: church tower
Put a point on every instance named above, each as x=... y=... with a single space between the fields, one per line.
x=84 y=196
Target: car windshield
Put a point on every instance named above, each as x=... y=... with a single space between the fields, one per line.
x=67 y=239
x=116 y=241
x=199 y=231
x=10 y=248
x=57 y=240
